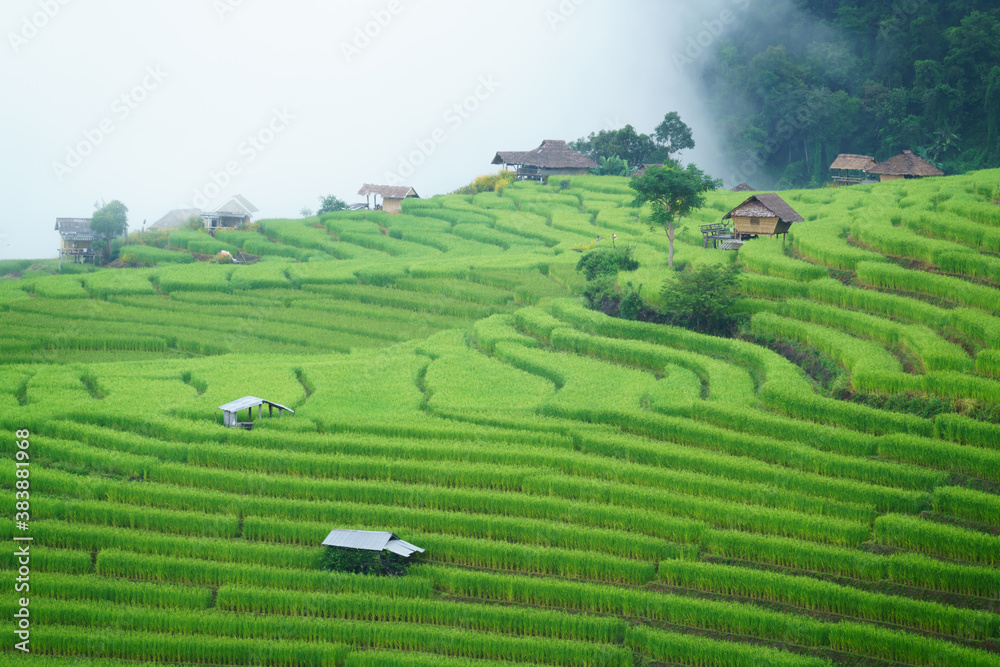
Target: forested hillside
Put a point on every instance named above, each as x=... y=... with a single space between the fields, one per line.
x=797 y=83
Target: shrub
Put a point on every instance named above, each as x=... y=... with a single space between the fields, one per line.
x=704 y=300
x=361 y=561
x=605 y=262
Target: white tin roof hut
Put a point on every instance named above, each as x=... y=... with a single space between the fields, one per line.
x=230 y=411
x=369 y=540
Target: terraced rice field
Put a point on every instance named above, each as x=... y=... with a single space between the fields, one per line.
x=589 y=491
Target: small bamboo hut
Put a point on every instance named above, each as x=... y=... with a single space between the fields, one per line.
x=743 y=187
x=906 y=165
x=553 y=158
x=76 y=240
x=231 y=411
x=762 y=215
x=852 y=169
x=392 y=196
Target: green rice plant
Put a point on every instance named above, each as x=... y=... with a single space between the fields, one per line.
x=151 y=256
x=500 y=328
x=974 y=461
x=916 y=534
x=925 y=572
x=380 y=296
x=45 y=559
x=198 y=572
x=967 y=504
x=676 y=648
x=618 y=601
x=59 y=287
x=382 y=658
x=307 y=234
x=125 y=516
x=906 y=647
x=795 y=554
x=117 y=591
x=768 y=287
x=952 y=227
x=824 y=242
x=965 y=431
x=826 y=596
x=166 y=648
x=988 y=363
x=769 y=259
x=488 y=618
x=262 y=275
x=888 y=276
x=977 y=211
x=195 y=277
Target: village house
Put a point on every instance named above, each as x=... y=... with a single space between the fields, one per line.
x=237 y=212
x=76 y=240
x=852 y=169
x=392 y=197
x=765 y=214
x=552 y=158
x=906 y=165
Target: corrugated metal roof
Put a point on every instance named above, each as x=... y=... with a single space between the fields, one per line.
x=251 y=402
x=388 y=191
x=402 y=548
x=368 y=540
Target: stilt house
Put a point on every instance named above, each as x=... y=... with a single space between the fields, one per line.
x=765 y=214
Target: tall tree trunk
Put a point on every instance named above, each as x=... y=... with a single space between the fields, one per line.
x=670 y=247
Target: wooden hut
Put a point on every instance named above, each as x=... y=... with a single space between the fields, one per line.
x=743 y=187
x=852 y=169
x=370 y=540
x=762 y=215
x=231 y=411
x=392 y=196
x=905 y=165
x=76 y=240
x=553 y=158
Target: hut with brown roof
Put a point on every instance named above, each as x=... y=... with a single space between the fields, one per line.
x=76 y=240
x=392 y=196
x=743 y=187
x=552 y=158
x=853 y=169
x=906 y=165
x=765 y=214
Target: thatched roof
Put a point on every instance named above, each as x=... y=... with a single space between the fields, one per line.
x=907 y=164
x=388 y=191
x=743 y=187
x=854 y=162
x=176 y=218
x=552 y=154
x=766 y=205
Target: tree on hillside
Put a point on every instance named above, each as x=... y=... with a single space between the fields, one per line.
x=330 y=204
x=110 y=221
x=703 y=299
x=673 y=134
x=672 y=193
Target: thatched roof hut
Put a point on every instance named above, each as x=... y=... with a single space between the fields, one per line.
x=766 y=214
x=552 y=157
x=392 y=196
x=76 y=239
x=906 y=165
x=743 y=187
x=852 y=169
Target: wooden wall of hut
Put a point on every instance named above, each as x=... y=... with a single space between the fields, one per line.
x=392 y=206
x=768 y=226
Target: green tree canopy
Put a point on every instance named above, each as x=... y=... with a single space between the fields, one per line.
x=110 y=221
x=672 y=193
x=330 y=204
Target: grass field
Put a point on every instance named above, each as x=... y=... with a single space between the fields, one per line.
x=589 y=491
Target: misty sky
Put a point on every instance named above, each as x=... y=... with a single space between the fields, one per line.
x=168 y=104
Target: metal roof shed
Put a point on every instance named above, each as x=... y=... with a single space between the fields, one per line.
x=369 y=540
x=230 y=411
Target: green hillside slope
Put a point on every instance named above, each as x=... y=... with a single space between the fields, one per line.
x=589 y=490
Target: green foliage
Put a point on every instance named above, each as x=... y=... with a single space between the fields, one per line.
x=703 y=299
x=330 y=204
x=607 y=262
x=360 y=561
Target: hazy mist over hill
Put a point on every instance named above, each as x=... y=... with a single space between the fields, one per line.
x=168 y=105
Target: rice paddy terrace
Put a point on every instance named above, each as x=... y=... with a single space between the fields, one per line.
x=589 y=491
